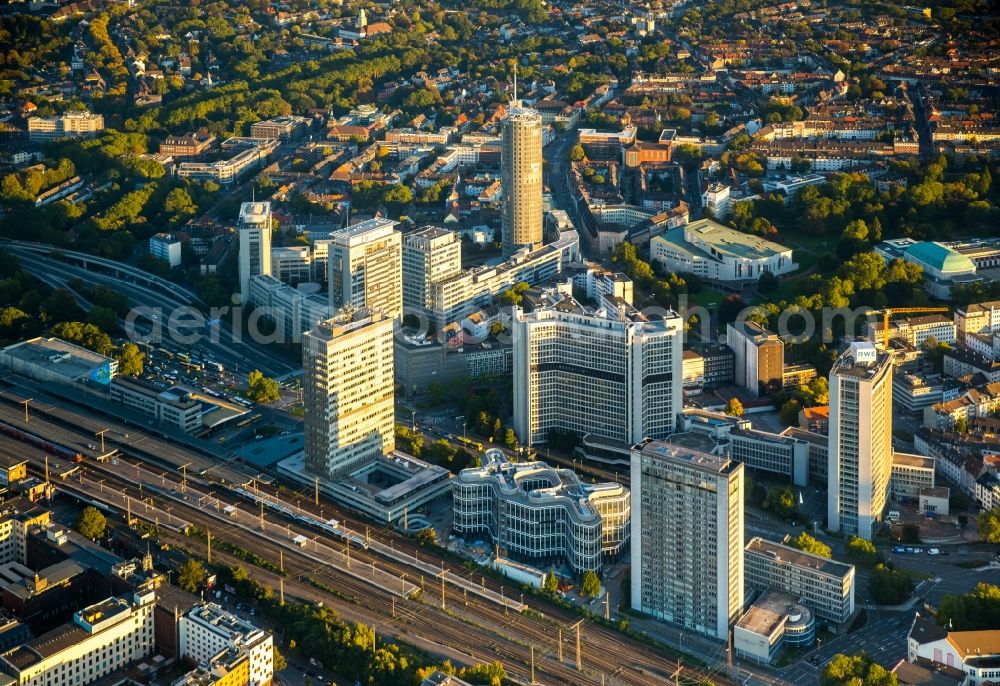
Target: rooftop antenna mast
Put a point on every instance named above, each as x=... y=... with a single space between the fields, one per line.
x=515 y=101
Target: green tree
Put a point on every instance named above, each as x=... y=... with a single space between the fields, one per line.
x=576 y=153
x=911 y=533
x=988 y=522
x=428 y=536
x=262 y=389
x=734 y=408
x=278 y=660
x=130 y=360
x=856 y=230
x=550 y=584
x=961 y=425
x=808 y=544
x=889 y=586
x=87 y=335
x=590 y=584
x=861 y=550
x=781 y=501
x=768 y=282
x=92 y=523
x=977 y=610
x=492 y=674
x=179 y=205
x=856 y=670
x=190 y=574
x=510 y=438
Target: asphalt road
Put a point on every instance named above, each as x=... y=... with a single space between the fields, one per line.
x=243 y=354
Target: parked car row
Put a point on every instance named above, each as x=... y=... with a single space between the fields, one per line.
x=905 y=550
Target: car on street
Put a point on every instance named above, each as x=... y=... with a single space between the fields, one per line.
x=898 y=549
x=933 y=551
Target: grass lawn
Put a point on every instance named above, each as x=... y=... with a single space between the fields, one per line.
x=817 y=245
x=707 y=298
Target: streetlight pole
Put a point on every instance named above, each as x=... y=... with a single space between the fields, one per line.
x=101 y=434
x=25 y=403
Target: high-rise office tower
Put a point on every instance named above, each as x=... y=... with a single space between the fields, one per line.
x=615 y=374
x=365 y=267
x=860 y=440
x=254 y=233
x=430 y=255
x=758 y=357
x=347 y=381
x=687 y=537
x=521 y=178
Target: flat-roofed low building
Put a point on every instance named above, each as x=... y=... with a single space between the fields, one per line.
x=53 y=360
x=101 y=639
x=824 y=586
x=717 y=253
x=280 y=128
x=173 y=407
x=774 y=621
x=934 y=501
x=819 y=449
x=44 y=598
x=70 y=124
x=913 y=392
x=722 y=434
x=910 y=474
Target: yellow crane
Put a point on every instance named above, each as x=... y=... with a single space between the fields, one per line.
x=889 y=311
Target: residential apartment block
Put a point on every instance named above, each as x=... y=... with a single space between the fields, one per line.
x=207 y=630
x=687 y=551
x=101 y=639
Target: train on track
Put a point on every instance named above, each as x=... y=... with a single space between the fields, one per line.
x=41 y=443
x=331 y=526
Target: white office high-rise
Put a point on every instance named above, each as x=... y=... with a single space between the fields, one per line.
x=365 y=267
x=616 y=373
x=347 y=382
x=254 y=235
x=860 y=440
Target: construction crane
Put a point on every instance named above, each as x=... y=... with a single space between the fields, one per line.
x=889 y=311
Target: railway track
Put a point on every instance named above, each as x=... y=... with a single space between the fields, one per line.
x=607 y=654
